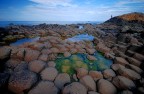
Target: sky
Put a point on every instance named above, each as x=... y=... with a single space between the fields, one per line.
x=66 y=10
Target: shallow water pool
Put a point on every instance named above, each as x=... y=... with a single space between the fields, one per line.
x=24 y=40
x=70 y=64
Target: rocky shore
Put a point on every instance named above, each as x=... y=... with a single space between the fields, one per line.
x=31 y=68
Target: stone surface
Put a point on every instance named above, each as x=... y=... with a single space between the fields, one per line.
x=90 y=57
x=120 y=60
x=20 y=81
x=116 y=67
x=49 y=74
x=122 y=82
x=31 y=55
x=22 y=66
x=90 y=51
x=61 y=80
x=67 y=54
x=81 y=72
x=43 y=57
x=4 y=53
x=51 y=64
x=135 y=68
x=96 y=75
x=129 y=74
x=126 y=92
x=106 y=87
x=109 y=73
x=44 y=87
x=134 y=61
x=12 y=63
x=93 y=92
x=88 y=82
x=139 y=57
x=75 y=88
x=36 y=65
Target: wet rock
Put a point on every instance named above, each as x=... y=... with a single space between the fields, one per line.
x=20 y=81
x=134 y=61
x=67 y=54
x=21 y=66
x=120 y=60
x=106 y=87
x=102 y=48
x=49 y=74
x=109 y=74
x=43 y=57
x=74 y=88
x=88 y=82
x=44 y=87
x=81 y=72
x=116 y=67
x=96 y=75
x=4 y=53
x=12 y=63
x=129 y=74
x=92 y=92
x=122 y=82
x=126 y=92
x=61 y=80
x=31 y=55
x=135 y=68
x=139 y=57
x=90 y=57
x=51 y=64
x=36 y=65
x=90 y=51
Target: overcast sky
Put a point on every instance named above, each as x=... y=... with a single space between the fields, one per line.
x=66 y=10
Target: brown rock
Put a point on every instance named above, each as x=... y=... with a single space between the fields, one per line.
x=31 y=55
x=81 y=72
x=90 y=57
x=96 y=75
x=51 y=64
x=67 y=54
x=120 y=60
x=134 y=61
x=106 y=87
x=43 y=57
x=36 y=65
x=49 y=74
x=44 y=87
x=74 y=88
x=4 y=53
x=61 y=80
x=88 y=82
x=109 y=73
x=122 y=82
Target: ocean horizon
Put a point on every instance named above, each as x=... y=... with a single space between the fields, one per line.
x=7 y=23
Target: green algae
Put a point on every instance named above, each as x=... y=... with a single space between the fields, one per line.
x=70 y=64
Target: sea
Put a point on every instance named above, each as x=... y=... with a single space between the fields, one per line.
x=7 y=23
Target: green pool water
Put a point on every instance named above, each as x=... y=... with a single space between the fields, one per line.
x=70 y=64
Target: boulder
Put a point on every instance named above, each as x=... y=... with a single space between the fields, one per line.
x=129 y=74
x=93 y=92
x=139 y=57
x=54 y=50
x=90 y=57
x=135 y=68
x=90 y=51
x=4 y=53
x=51 y=64
x=75 y=88
x=67 y=54
x=134 y=61
x=43 y=57
x=31 y=55
x=21 y=66
x=61 y=80
x=109 y=74
x=122 y=82
x=44 y=87
x=22 y=80
x=36 y=65
x=49 y=74
x=116 y=67
x=81 y=72
x=95 y=75
x=106 y=87
x=120 y=60
x=126 y=92
x=18 y=53
x=12 y=63
x=88 y=82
